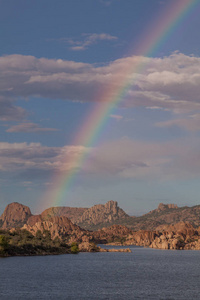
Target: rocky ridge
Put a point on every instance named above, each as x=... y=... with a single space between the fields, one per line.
x=16 y=215
x=177 y=235
x=164 y=215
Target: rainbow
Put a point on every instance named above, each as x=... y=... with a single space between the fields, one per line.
x=114 y=94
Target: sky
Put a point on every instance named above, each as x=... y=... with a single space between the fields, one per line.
x=99 y=101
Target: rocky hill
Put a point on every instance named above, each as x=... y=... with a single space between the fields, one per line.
x=167 y=227
x=164 y=215
x=89 y=218
x=103 y=215
x=99 y=215
x=15 y=215
x=60 y=227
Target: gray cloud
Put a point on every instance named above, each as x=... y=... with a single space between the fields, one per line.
x=10 y=112
x=87 y=40
x=23 y=156
x=171 y=83
x=127 y=158
x=124 y=158
x=29 y=127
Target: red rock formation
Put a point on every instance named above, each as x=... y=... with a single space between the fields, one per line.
x=101 y=214
x=34 y=219
x=15 y=215
x=73 y=213
x=88 y=217
x=60 y=227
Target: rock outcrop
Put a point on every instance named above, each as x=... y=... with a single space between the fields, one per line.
x=15 y=215
x=178 y=237
x=107 y=214
x=60 y=227
x=89 y=218
x=73 y=213
x=162 y=207
x=113 y=234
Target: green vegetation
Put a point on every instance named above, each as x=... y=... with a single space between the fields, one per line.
x=22 y=242
x=3 y=244
x=74 y=248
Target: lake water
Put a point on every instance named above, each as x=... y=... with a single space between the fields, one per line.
x=143 y=274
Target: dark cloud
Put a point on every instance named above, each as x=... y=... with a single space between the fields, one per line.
x=10 y=112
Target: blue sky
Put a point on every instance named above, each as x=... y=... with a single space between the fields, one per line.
x=55 y=57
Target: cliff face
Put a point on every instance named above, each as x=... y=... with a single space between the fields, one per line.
x=88 y=218
x=15 y=215
x=101 y=214
x=163 y=207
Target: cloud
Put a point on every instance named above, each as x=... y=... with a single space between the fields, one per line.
x=119 y=159
x=10 y=112
x=87 y=40
x=29 y=127
x=126 y=158
x=169 y=83
x=190 y=123
x=35 y=158
x=116 y=117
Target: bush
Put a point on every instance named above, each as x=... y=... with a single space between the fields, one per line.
x=74 y=248
x=3 y=244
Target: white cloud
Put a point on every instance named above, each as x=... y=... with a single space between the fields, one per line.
x=171 y=83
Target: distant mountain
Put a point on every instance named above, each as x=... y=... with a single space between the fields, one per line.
x=103 y=215
x=16 y=215
x=165 y=214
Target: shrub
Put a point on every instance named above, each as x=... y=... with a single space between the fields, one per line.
x=74 y=248
x=3 y=244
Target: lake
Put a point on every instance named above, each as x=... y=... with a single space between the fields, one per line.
x=143 y=274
